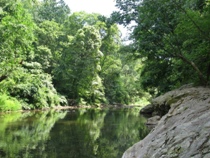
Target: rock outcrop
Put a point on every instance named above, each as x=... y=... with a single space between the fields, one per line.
x=183 y=131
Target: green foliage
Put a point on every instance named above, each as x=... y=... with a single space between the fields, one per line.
x=21 y=76
x=172 y=37
x=16 y=37
x=53 y=10
x=32 y=87
x=193 y=33
x=44 y=49
x=111 y=64
x=8 y=103
x=48 y=50
x=78 y=20
x=82 y=74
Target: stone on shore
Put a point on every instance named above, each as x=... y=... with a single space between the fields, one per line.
x=183 y=131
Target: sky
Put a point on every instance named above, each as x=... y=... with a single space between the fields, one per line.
x=104 y=7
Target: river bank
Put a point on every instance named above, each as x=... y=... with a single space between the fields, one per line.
x=115 y=106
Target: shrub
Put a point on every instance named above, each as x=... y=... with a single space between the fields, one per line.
x=32 y=87
x=8 y=103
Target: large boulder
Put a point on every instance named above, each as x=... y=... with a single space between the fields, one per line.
x=183 y=132
x=161 y=105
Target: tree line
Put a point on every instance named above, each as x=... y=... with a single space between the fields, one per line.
x=50 y=56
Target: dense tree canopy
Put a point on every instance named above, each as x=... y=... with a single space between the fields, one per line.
x=49 y=56
x=172 y=38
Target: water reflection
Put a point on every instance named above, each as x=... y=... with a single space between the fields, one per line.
x=84 y=133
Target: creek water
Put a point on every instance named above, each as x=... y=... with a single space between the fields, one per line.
x=80 y=133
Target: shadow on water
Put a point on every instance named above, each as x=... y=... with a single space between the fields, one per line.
x=82 y=133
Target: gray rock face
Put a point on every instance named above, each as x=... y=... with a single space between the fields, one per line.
x=184 y=132
x=153 y=120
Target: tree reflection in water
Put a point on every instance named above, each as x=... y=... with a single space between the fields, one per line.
x=83 y=133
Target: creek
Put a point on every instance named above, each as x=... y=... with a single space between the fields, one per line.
x=80 y=133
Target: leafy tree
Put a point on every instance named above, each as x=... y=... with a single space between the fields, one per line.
x=44 y=49
x=20 y=76
x=119 y=70
x=16 y=38
x=79 y=67
x=78 y=20
x=171 y=37
x=53 y=10
x=193 y=31
x=47 y=46
x=111 y=63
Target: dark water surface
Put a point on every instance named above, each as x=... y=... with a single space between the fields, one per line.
x=83 y=133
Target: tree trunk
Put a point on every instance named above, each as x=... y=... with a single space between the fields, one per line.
x=200 y=74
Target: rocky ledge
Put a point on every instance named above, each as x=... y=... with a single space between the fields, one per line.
x=183 y=130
